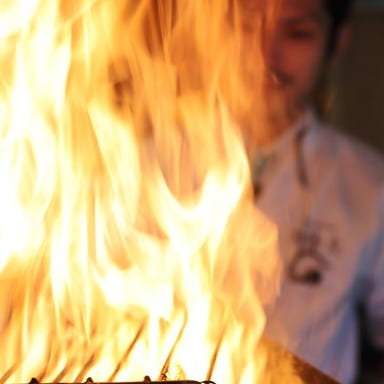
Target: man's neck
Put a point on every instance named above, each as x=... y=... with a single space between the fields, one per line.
x=264 y=135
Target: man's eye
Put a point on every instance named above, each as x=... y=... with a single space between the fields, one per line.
x=300 y=33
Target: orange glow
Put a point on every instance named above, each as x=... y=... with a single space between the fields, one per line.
x=129 y=242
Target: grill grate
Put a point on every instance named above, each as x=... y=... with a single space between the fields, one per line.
x=146 y=380
x=92 y=359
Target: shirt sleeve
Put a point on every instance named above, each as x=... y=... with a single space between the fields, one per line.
x=375 y=295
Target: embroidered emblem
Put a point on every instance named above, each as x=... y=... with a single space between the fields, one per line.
x=316 y=244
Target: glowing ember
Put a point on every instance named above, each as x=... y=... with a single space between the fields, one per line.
x=129 y=243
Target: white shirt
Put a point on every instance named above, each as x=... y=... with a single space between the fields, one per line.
x=331 y=241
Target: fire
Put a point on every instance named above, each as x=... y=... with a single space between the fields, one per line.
x=129 y=242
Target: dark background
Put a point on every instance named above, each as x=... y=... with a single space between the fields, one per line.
x=357 y=107
x=358 y=82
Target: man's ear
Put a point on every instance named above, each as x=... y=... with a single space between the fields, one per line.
x=343 y=40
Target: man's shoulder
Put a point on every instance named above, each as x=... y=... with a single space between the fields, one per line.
x=348 y=153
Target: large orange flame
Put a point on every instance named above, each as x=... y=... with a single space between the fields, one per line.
x=129 y=243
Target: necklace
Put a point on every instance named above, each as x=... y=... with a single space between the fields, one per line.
x=262 y=161
x=258 y=167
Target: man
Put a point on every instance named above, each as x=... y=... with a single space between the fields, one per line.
x=325 y=192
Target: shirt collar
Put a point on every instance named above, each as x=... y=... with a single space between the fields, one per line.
x=283 y=142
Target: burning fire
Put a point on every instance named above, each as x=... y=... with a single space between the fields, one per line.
x=129 y=242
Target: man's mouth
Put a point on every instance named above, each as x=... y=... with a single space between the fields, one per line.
x=277 y=79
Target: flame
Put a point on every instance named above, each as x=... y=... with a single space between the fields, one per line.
x=129 y=242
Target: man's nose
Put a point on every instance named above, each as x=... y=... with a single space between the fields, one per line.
x=271 y=49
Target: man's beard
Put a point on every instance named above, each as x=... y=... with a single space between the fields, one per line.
x=268 y=115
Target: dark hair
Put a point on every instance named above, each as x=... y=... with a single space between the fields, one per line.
x=339 y=11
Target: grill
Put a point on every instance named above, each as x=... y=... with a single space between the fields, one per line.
x=307 y=373
x=92 y=360
x=146 y=380
x=281 y=366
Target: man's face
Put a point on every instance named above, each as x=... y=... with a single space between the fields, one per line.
x=294 y=54
x=295 y=37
